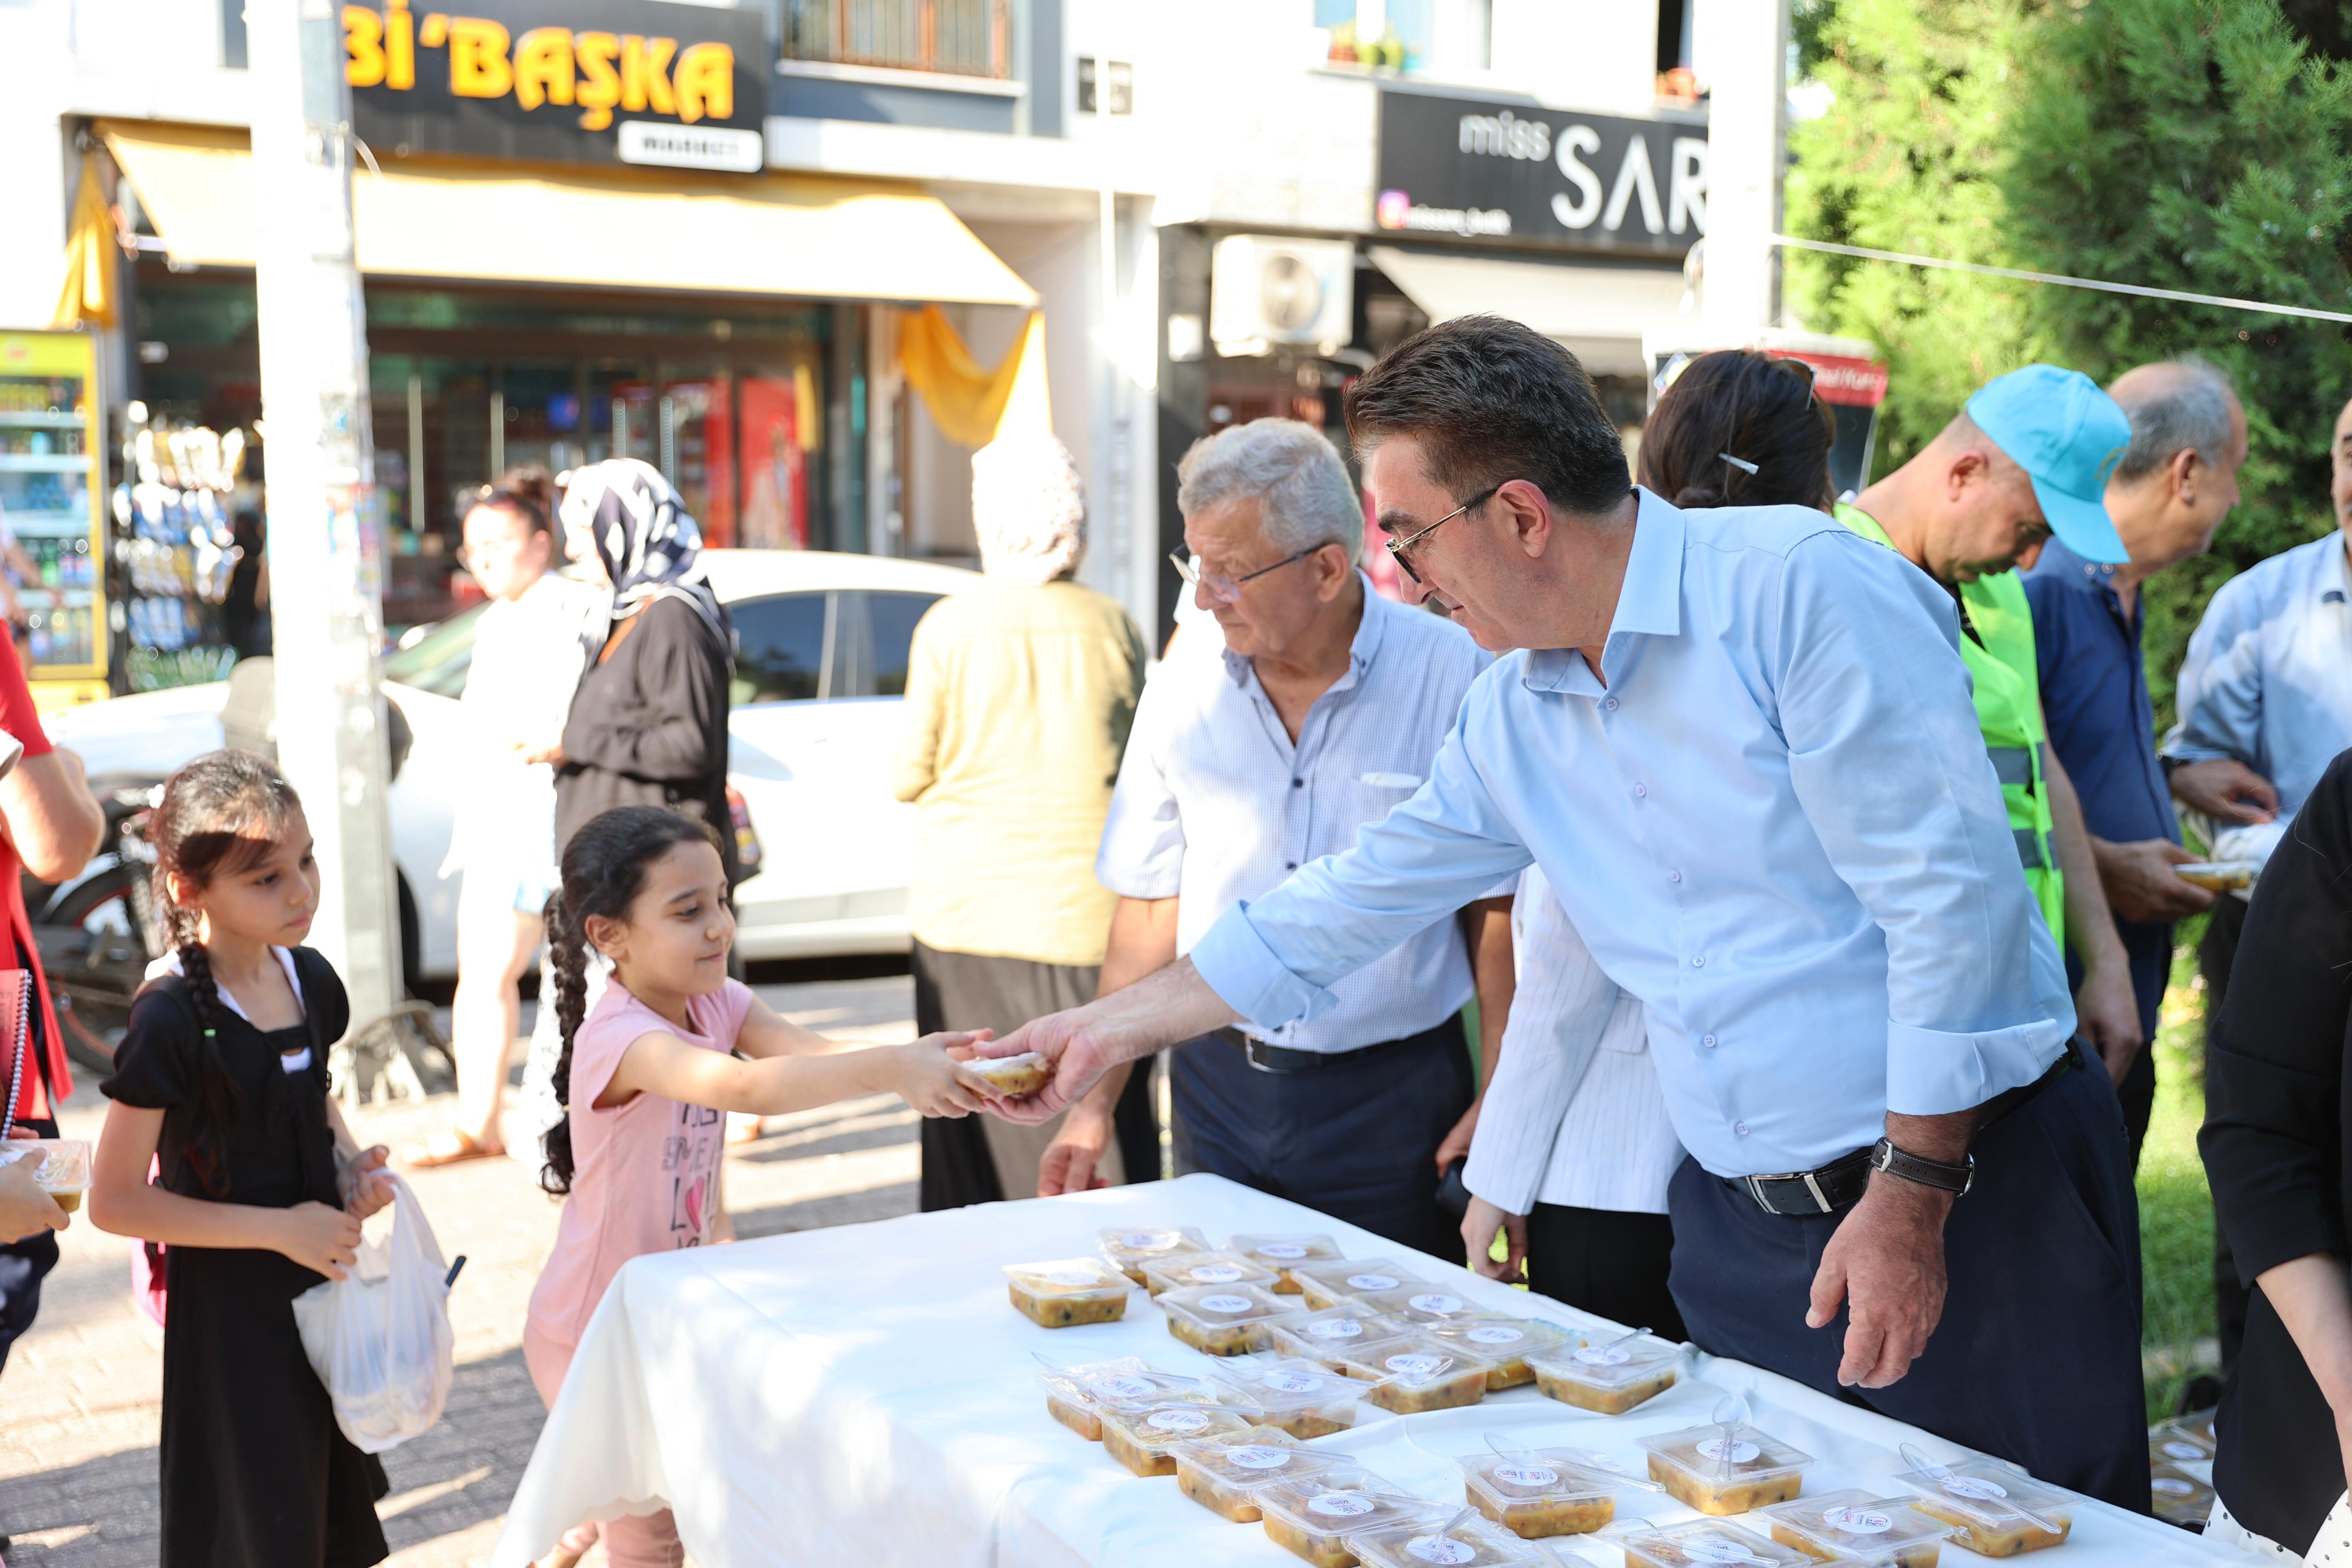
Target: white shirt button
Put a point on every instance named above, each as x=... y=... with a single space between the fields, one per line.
x=1698 y=963
x=1707 y=1041
x=1741 y=1128
x=1640 y=789
x=1674 y=876
x=1609 y=702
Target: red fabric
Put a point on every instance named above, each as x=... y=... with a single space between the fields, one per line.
x=20 y=718
x=18 y=715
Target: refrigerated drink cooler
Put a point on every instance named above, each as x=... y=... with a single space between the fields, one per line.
x=52 y=504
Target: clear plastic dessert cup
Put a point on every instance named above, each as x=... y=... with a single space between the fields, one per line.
x=1076 y=1396
x=1720 y=1473
x=1225 y=1476
x=1068 y=1292
x=64 y=1172
x=1413 y=1375
x=2179 y=1442
x=1162 y=1275
x=1982 y=1499
x=1538 y=1493
x=1593 y=1373
x=1333 y=1335
x=1421 y=1303
x=1280 y=1252
x=1129 y=1249
x=1704 y=1543
x=1311 y=1516
x=2179 y=1497
x=1015 y=1077
x=1417 y=1543
x=1305 y=1398
x=1505 y=1343
x=1853 y=1526
x=1142 y=1437
x=1223 y=1320
x=1330 y=1283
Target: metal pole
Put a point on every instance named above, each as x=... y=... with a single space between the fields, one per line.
x=1746 y=141
x=325 y=562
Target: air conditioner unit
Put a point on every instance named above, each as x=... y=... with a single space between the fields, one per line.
x=1264 y=290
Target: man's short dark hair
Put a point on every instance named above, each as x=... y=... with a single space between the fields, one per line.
x=1491 y=400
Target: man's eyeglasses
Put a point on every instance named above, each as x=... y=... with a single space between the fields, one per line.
x=1397 y=547
x=1227 y=589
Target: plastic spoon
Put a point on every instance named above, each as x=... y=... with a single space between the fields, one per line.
x=1943 y=1475
x=1731 y=1414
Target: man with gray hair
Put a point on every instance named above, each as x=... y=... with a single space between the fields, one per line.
x=2169 y=489
x=1323 y=709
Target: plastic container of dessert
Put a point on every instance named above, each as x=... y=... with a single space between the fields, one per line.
x=1421 y=1303
x=1411 y=1374
x=1068 y=1292
x=1722 y=1470
x=1505 y=1342
x=1279 y=1253
x=1982 y=1499
x=1416 y=1543
x=2178 y=1442
x=1853 y=1526
x=1139 y=1437
x=65 y=1167
x=1224 y=1475
x=1329 y=1283
x=1130 y=1249
x=1076 y=1396
x=1013 y=1076
x=1311 y=1516
x=1162 y=1275
x=1704 y=1543
x=2180 y=1498
x=1605 y=1372
x=1305 y=1398
x=1538 y=1493
x=2219 y=876
x=1223 y=1320
x=1333 y=1335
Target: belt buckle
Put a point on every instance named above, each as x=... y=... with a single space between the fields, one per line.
x=1813 y=1187
x=1250 y=1043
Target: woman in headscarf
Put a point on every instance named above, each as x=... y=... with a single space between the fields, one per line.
x=1019 y=696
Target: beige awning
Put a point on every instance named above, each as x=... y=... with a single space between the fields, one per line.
x=1598 y=308
x=677 y=230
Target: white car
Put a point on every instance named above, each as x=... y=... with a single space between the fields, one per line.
x=820 y=663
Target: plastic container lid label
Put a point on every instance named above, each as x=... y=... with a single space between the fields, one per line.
x=1177 y=1421
x=1340 y=1505
x=1258 y=1456
x=1970 y=1485
x=1336 y=1328
x=1374 y=1282
x=2168 y=1486
x=1494 y=1333
x=1216 y=1274
x=1283 y=1249
x=1121 y=1386
x=1151 y=1240
x=1073 y=1277
x=1291 y=1382
x=2178 y=1450
x=1527 y=1475
x=1436 y=1302
x=1602 y=1354
x=1736 y=1451
x=1851 y=1521
x=1419 y=1367
x=1442 y=1549
x=1225 y=1303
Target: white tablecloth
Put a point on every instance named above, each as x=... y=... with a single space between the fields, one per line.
x=865 y=1395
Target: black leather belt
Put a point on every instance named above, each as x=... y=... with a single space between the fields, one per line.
x=1282 y=1059
x=1839 y=1184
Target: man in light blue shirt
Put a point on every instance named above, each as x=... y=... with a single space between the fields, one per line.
x=1742 y=747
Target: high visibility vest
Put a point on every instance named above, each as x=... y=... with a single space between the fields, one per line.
x=1996 y=644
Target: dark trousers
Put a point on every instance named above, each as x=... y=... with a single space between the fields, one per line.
x=1605 y=1261
x=2036 y=1358
x=1356 y=1141
x=2215 y=955
x=2136 y=1095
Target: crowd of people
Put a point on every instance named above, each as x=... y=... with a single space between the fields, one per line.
x=1804 y=862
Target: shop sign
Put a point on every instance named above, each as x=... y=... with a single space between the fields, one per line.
x=598 y=81
x=1473 y=169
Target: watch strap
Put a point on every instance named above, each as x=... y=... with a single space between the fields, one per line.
x=1954 y=1179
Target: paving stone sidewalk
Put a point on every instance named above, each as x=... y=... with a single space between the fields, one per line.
x=79 y=1402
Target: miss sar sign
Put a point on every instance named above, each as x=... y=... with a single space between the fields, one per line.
x=597 y=81
x=1477 y=170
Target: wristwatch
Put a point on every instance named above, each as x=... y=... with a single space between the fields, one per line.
x=1954 y=1179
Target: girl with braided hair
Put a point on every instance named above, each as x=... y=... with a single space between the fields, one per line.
x=647 y=1079
x=222 y=1078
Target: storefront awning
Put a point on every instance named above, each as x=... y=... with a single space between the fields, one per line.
x=675 y=230
x=1600 y=309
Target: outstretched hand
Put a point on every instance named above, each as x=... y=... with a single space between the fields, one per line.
x=1070 y=1042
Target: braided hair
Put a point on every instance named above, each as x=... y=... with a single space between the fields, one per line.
x=219 y=814
x=1744 y=404
x=603 y=871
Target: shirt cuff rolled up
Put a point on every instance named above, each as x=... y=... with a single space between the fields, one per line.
x=1931 y=1072
x=1249 y=978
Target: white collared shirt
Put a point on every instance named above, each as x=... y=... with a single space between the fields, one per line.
x=1573 y=1113
x=1776 y=824
x=1214 y=804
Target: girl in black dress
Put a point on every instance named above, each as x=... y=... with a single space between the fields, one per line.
x=223 y=1073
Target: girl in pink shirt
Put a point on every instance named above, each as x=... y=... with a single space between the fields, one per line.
x=647 y=1081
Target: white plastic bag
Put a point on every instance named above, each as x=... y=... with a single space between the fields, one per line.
x=379 y=1338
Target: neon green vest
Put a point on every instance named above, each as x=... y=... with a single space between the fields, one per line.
x=2008 y=680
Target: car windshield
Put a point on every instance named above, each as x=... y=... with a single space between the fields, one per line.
x=437 y=662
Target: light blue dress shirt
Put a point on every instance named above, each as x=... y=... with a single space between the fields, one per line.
x=1777 y=826
x=2268 y=680
x=1214 y=804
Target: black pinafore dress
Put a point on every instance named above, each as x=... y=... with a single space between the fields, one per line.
x=255 y=1470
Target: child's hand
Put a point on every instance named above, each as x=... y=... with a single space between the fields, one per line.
x=961 y=1044
x=322 y=1240
x=25 y=1208
x=365 y=1184
x=933 y=1083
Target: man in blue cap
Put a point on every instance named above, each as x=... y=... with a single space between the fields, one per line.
x=2029 y=458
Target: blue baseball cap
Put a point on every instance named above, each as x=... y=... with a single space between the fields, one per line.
x=2069 y=436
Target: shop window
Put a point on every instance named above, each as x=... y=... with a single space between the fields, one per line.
x=890 y=626
x=960 y=37
x=780 y=648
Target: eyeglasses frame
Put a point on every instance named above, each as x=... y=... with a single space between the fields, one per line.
x=1187 y=567
x=1397 y=547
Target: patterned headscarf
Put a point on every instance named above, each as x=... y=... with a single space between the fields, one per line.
x=1028 y=508
x=650 y=546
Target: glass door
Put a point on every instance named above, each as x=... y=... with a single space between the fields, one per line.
x=52 y=490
